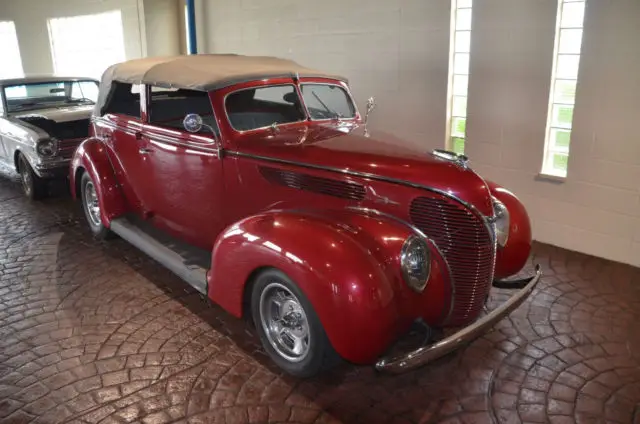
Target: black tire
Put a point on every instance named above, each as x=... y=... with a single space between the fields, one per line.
x=34 y=187
x=96 y=226
x=320 y=355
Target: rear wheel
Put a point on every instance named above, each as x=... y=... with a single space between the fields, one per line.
x=91 y=206
x=34 y=187
x=289 y=328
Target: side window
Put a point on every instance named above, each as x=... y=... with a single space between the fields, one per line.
x=123 y=100
x=169 y=106
x=1 y=102
x=254 y=108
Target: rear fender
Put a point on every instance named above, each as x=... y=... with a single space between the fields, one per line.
x=351 y=279
x=514 y=255
x=92 y=157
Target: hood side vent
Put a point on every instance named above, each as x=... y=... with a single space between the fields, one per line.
x=320 y=185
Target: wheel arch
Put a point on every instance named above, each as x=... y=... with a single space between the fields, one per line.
x=91 y=157
x=247 y=288
x=79 y=171
x=511 y=258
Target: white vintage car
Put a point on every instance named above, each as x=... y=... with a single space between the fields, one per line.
x=42 y=121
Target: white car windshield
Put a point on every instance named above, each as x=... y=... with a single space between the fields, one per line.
x=52 y=94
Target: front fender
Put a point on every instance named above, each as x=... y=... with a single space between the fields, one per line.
x=514 y=255
x=339 y=267
x=92 y=157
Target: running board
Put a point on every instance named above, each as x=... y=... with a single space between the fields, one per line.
x=195 y=275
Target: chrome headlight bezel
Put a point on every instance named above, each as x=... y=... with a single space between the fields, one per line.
x=415 y=262
x=47 y=148
x=501 y=222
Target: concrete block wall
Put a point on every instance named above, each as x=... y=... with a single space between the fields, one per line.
x=596 y=209
x=398 y=50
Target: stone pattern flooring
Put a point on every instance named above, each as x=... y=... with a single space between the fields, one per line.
x=97 y=332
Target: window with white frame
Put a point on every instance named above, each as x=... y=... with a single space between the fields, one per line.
x=564 y=78
x=459 y=74
x=86 y=45
x=10 y=52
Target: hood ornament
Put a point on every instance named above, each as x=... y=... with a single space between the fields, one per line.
x=458 y=159
x=371 y=104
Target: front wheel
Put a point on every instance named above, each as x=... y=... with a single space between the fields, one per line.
x=289 y=328
x=91 y=206
x=34 y=187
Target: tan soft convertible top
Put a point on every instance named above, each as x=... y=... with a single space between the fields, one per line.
x=203 y=72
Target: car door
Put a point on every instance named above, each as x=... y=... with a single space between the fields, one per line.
x=185 y=168
x=121 y=130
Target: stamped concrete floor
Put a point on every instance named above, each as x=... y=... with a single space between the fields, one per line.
x=97 y=332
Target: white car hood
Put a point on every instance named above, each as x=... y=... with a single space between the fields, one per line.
x=63 y=114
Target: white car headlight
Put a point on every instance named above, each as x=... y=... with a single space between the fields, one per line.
x=47 y=148
x=501 y=222
x=415 y=261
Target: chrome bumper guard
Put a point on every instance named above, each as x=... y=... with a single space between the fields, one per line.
x=424 y=355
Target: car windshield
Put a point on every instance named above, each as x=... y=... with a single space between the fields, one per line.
x=22 y=97
x=327 y=101
x=262 y=107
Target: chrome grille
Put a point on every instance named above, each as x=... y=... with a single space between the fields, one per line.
x=301 y=181
x=467 y=246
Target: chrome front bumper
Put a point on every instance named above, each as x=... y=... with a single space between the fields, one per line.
x=426 y=354
x=52 y=168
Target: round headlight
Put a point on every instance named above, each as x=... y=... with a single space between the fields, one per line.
x=47 y=148
x=415 y=260
x=501 y=222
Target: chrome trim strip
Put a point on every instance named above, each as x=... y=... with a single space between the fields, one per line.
x=426 y=354
x=154 y=136
x=419 y=232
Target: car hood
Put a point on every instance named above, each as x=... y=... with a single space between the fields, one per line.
x=62 y=114
x=346 y=148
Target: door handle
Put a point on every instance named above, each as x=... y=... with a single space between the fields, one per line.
x=144 y=151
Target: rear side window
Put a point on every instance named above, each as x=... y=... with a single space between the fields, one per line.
x=124 y=99
x=169 y=106
x=262 y=107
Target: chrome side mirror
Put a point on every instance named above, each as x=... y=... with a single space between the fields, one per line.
x=371 y=104
x=193 y=123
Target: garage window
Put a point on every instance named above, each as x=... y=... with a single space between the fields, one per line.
x=459 y=75
x=564 y=79
x=86 y=45
x=10 y=56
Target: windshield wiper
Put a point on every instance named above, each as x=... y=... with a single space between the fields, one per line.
x=83 y=100
x=335 y=114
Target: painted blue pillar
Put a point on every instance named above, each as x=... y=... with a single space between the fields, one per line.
x=191 y=23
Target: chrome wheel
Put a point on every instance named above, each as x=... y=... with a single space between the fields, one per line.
x=91 y=204
x=26 y=178
x=284 y=322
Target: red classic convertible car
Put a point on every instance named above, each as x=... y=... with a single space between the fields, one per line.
x=256 y=181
